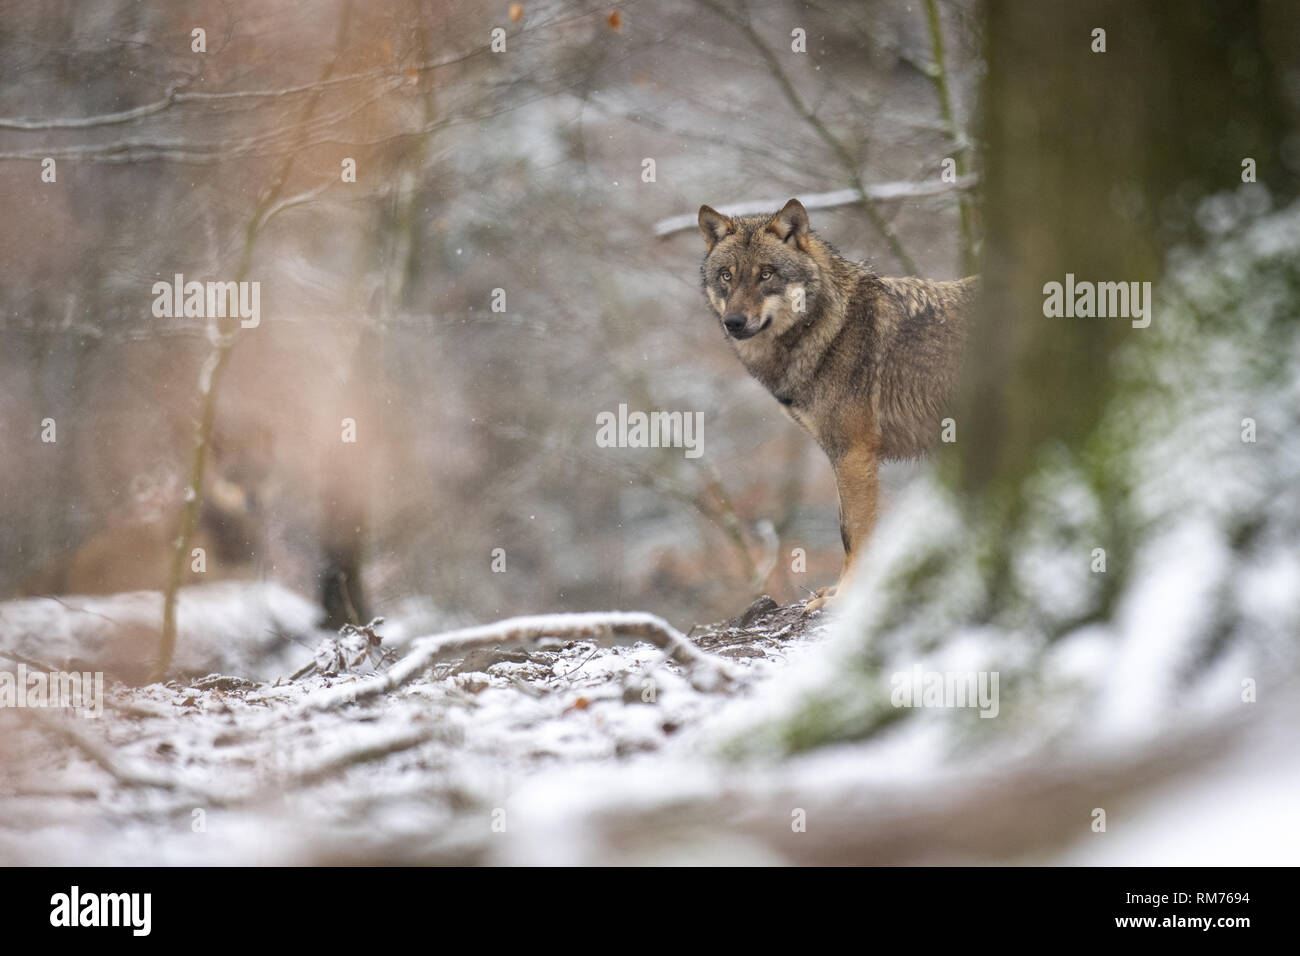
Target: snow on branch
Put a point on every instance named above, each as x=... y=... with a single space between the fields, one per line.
x=604 y=627
x=839 y=197
x=125 y=772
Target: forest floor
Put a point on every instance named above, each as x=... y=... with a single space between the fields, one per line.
x=601 y=738
x=414 y=756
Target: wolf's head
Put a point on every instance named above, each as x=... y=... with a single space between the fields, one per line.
x=762 y=274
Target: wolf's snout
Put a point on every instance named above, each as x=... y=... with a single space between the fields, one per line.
x=734 y=323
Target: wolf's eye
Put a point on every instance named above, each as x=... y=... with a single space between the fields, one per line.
x=725 y=275
x=766 y=274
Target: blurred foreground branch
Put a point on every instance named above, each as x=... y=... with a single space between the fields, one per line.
x=215 y=365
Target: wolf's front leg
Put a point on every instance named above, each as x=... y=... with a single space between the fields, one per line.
x=857 y=476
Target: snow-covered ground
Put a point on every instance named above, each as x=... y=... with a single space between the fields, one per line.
x=1156 y=728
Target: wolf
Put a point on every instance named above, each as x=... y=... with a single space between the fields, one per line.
x=864 y=363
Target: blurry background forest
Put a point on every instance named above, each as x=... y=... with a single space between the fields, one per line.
x=1113 y=532
x=475 y=171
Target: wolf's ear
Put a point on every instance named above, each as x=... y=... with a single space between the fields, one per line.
x=715 y=226
x=791 y=222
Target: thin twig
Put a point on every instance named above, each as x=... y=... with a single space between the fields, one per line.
x=359 y=754
x=112 y=764
x=837 y=148
x=175 y=95
x=939 y=76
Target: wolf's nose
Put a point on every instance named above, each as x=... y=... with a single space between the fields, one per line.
x=734 y=323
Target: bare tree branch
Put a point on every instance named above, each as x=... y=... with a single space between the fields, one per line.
x=838 y=197
x=175 y=93
x=611 y=627
x=120 y=770
x=809 y=116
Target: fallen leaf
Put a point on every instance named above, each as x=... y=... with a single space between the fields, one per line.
x=580 y=704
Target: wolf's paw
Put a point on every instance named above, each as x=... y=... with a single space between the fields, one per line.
x=822 y=598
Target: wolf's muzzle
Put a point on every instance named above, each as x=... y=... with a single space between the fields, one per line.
x=737 y=326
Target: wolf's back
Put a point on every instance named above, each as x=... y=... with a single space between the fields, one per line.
x=921 y=329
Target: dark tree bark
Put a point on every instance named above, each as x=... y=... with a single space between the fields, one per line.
x=1094 y=164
